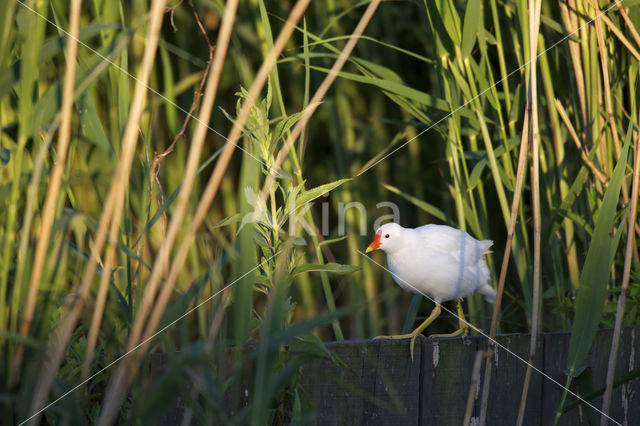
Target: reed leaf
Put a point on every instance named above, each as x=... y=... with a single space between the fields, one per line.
x=595 y=271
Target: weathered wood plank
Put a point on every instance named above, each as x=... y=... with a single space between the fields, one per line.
x=446 y=375
x=396 y=385
x=629 y=400
x=507 y=381
x=340 y=395
x=624 y=406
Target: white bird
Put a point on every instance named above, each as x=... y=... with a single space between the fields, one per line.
x=437 y=261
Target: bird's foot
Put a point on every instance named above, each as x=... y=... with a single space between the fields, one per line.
x=394 y=337
x=413 y=341
x=412 y=336
x=464 y=331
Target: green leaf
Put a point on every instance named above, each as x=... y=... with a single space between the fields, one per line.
x=333 y=268
x=91 y=125
x=560 y=212
x=247 y=258
x=443 y=45
x=461 y=82
x=616 y=239
x=327 y=42
x=123 y=92
x=595 y=273
x=429 y=208
x=169 y=80
x=619 y=381
x=401 y=90
x=311 y=347
x=301 y=328
x=379 y=71
x=476 y=173
x=558 y=28
x=450 y=19
x=584 y=386
x=284 y=125
x=411 y=313
x=313 y=193
x=31 y=342
x=234 y=218
x=486 y=90
x=472 y=19
x=333 y=240
x=416 y=110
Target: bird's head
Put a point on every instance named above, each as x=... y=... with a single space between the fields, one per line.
x=388 y=238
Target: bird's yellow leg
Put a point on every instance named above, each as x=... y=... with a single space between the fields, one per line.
x=415 y=333
x=464 y=327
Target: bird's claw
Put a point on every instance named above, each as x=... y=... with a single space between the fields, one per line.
x=412 y=336
x=413 y=341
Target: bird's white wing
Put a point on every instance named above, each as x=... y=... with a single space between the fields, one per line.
x=453 y=241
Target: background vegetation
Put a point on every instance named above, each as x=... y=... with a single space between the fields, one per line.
x=123 y=222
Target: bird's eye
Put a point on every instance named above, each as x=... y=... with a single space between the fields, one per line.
x=386 y=236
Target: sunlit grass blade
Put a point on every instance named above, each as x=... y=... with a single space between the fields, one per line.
x=429 y=208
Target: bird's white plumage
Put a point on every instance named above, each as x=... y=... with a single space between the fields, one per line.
x=442 y=262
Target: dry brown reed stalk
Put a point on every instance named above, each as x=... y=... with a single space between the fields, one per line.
x=515 y=203
x=319 y=95
x=607 y=89
x=570 y=18
x=583 y=150
x=122 y=377
x=616 y=31
x=206 y=113
x=632 y=28
x=477 y=363
x=53 y=190
x=62 y=333
x=615 y=341
x=534 y=30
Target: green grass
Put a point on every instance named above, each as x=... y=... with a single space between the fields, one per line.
x=416 y=63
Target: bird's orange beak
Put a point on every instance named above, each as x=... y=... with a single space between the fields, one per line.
x=375 y=244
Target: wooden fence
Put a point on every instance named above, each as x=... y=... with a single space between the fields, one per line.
x=381 y=385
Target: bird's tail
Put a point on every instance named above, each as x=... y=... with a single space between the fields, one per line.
x=484 y=246
x=488 y=292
